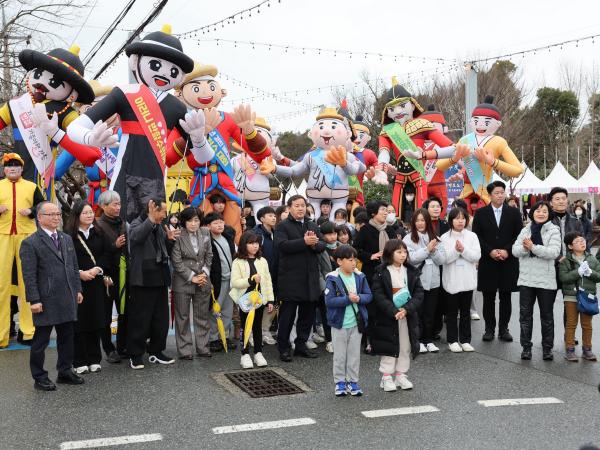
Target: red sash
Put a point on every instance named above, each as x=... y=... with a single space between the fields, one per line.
x=150 y=119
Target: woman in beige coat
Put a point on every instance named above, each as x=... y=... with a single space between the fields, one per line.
x=191 y=259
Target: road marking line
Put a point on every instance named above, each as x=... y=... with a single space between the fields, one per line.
x=107 y=442
x=264 y=425
x=399 y=411
x=519 y=401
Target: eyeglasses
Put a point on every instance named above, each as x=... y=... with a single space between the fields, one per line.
x=579 y=241
x=52 y=214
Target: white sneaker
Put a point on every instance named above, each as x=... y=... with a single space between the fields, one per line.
x=321 y=331
x=329 y=347
x=466 y=347
x=268 y=339
x=311 y=345
x=81 y=370
x=422 y=348
x=402 y=382
x=260 y=360
x=246 y=362
x=387 y=383
x=475 y=315
x=432 y=348
x=95 y=368
x=455 y=347
x=317 y=338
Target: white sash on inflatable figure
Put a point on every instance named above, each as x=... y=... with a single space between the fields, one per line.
x=34 y=138
x=429 y=164
x=472 y=165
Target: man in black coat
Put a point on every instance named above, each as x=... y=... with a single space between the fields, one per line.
x=497 y=226
x=149 y=279
x=53 y=289
x=298 y=242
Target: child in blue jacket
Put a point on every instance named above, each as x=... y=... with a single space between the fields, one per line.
x=346 y=294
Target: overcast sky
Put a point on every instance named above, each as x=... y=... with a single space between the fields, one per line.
x=452 y=30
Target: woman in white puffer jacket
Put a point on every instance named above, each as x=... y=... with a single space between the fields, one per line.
x=459 y=278
x=537 y=247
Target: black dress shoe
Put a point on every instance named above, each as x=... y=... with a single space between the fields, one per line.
x=526 y=354
x=305 y=353
x=488 y=336
x=187 y=357
x=505 y=336
x=113 y=357
x=285 y=356
x=215 y=346
x=21 y=339
x=547 y=355
x=69 y=378
x=204 y=355
x=44 y=385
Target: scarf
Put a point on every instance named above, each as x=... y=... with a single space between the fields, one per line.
x=383 y=236
x=536 y=233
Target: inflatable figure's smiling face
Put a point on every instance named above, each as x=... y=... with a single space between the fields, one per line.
x=203 y=94
x=156 y=73
x=401 y=112
x=485 y=125
x=328 y=132
x=44 y=85
x=362 y=138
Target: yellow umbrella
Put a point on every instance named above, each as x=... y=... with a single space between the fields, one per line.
x=255 y=301
x=217 y=312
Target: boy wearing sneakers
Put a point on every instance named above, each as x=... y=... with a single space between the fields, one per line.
x=346 y=294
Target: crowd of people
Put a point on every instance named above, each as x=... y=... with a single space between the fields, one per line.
x=357 y=280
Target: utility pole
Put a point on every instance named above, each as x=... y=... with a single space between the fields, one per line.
x=6 y=84
x=470 y=93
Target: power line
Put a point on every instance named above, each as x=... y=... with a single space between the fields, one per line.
x=227 y=20
x=328 y=51
x=102 y=40
x=151 y=16
x=85 y=21
x=547 y=47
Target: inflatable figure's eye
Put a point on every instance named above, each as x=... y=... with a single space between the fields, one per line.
x=37 y=73
x=174 y=72
x=155 y=65
x=55 y=83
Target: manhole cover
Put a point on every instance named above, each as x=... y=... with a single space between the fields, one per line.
x=263 y=383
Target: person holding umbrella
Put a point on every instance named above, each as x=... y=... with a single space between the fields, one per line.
x=252 y=289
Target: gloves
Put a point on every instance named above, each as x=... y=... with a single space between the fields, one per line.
x=193 y=125
x=48 y=126
x=584 y=269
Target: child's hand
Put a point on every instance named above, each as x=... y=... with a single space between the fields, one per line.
x=401 y=314
x=354 y=298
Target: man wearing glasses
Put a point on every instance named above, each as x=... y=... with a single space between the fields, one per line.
x=18 y=199
x=53 y=288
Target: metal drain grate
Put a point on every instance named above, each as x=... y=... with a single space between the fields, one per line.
x=263 y=383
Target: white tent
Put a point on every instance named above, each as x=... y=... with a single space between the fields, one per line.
x=301 y=189
x=560 y=177
x=529 y=184
x=591 y=178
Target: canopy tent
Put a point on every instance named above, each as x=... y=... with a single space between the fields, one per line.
x=560 y=177
x=591 y=179
x=529 y=184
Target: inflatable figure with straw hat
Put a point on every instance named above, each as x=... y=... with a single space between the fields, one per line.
x=151 y=119
x=404 y=134
x=367 y=156
x=201 y=91
x=482 y=152
x=39 y=118
x=328 y=163
x=100 y=173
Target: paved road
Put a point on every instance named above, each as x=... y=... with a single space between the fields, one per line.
x=183 y=404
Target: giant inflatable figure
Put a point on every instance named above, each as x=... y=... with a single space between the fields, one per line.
x=201 y=91
x=151 y=119
x=100 y=173
x=436 y=181
x=404 y=134
x=39 y=118
x=363 y=154
x=328 y=163
x=482 y=152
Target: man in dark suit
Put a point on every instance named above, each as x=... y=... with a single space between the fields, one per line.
x=497 y=226
x=53 y=290
x=149 y=279
x=298 y=243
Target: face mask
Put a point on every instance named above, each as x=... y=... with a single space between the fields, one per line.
x=390 y=218
x=578 y=213
x=409 y=197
